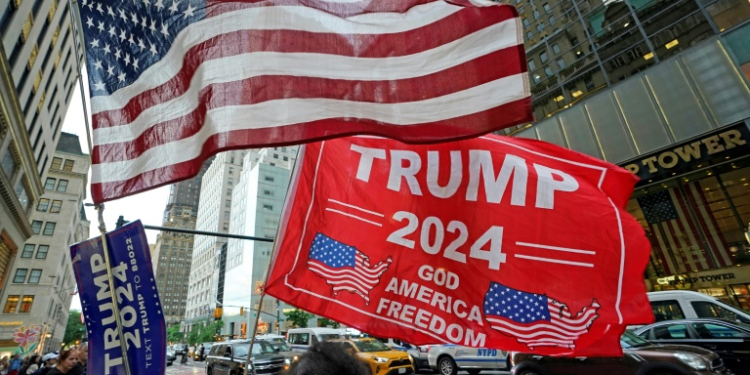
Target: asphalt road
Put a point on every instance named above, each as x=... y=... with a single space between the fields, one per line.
x=199 y=368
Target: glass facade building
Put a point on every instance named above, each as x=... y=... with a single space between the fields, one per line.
x=660 y=88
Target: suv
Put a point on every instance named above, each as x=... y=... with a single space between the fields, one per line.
x=449 y=359
x=229 y=358
x=640 y=357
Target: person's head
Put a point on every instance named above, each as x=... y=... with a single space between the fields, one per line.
x=68 y=360
x=83 y=354
x=328 y=358
x=16 y=356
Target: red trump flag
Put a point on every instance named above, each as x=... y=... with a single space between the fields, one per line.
x=491 y=242
x=173 y=83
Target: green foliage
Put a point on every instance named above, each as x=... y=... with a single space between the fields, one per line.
x=174 y=334
x=325 y=322
x=298 y=318
x=204 y=333
x=74 y=330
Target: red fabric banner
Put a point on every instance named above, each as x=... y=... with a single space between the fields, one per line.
x=491 y=242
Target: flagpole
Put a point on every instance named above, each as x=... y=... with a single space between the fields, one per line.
x=265 y=277
x=78 y=33
x=115 y=307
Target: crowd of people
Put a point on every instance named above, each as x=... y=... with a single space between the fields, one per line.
x=68 y=362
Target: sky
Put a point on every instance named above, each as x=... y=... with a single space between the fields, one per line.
x=148 y=206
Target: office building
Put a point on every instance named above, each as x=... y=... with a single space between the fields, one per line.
x=41 y=282
x=173 y=251
x=660 y=88
x=214 y=210
x=37 y=74
x=257 y=201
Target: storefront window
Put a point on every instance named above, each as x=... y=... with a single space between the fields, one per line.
x=727 y=13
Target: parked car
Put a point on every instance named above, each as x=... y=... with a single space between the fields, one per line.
x=449 y=359
x=382 y=359
x=171 y=357
x=640 y=357
x=300 y=339
x=197 y=351
x=685 y=304
x=228 y=358
x=728 y=339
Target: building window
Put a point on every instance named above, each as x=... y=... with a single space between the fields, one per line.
x=42 y=205
x=532 y=65
x=41 y=253
x=36 y=226
x=56 y=206
x=268 y=192
x=11 y=304
x=26 y=304
x=50 y=183
x=20 y=276
x=62 y=185
x=228 y=203
x=34 y=276
x=561 y=63
x=268 y=178
x=9 y=163
x=49 y=229
x=548 y=71
x=546 y=7
x=56 y=164
x=268 y=207
x=543 y=57
x=556 y=48
x=285 y=158
x=68 y=167
x=28 y=250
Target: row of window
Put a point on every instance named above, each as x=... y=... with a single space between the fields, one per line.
x=11 y=304
x=60 y=165
x=21 y=273
x=49 y=227
x=41 y=251
x=44 y=204
x=55 y=185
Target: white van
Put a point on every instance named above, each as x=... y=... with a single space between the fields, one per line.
x=683 y=304
x=300 y=339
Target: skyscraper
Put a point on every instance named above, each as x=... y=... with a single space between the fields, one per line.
x=173 y=251
x=660 y=88
x=214 y=208
x=37 y=75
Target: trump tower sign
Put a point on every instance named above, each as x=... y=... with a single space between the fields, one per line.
x=143 y=324
x=491 y=242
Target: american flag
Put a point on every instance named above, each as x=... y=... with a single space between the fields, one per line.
x=344 y=267
x=534 y=319
x=673 y=217
x=175 y=81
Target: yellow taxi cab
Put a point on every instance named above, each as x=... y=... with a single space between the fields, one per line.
x=382 y=359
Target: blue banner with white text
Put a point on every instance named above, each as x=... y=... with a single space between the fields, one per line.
x=143 y=325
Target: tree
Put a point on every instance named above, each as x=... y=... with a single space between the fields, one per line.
x=74 y=329
x=204 y=333
x=298 y=317
x=325 y=322
x=174 y=334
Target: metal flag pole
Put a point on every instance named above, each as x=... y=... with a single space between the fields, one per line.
x=75 y=22
x=115 y=307
x=265 y=277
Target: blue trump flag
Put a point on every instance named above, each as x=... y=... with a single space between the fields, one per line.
x=144 y=330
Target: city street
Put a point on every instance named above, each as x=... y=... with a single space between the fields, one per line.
x=198 y=368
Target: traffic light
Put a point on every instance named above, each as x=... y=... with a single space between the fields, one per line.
x=242 y=311
x=218 y=312
x=276 y=326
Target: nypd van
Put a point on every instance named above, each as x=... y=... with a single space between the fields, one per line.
x=449 y=359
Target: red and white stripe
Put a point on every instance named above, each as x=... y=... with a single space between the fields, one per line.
x=290 y=71
x=360 y=279
x=678 y=245
x=562 y=330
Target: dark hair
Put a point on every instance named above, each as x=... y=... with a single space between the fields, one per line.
x=327 y=358
x=65 y=354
